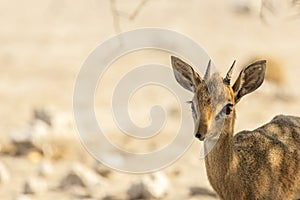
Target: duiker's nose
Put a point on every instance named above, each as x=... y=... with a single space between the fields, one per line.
x=198 y=135
x=201 y=130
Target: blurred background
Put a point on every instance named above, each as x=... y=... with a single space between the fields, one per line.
x=43 y=45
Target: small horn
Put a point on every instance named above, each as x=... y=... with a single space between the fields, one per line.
x=207 y=73
x=228 y=75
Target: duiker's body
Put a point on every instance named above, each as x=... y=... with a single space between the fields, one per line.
x=259 y=164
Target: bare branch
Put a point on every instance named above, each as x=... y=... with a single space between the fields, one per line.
x=272 y=7
x=117 y=14
x=137 y=10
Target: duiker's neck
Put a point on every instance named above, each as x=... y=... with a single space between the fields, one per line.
x=219 y=160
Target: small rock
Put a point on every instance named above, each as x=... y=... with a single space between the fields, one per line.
x=45 y=168
x=22 y=141
x=138 y=191
x=102 y=169
x=89 y=177
x=71 y=180
x=78 y=192
x=39 y=130
x=4 y=174
x=246 y=6
x=35 y=185
x=150 y=186
x=241 y=6
x=81 y=181
x=43 y=115
x=81 y=175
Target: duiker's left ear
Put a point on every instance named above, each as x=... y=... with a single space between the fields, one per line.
x=250 y=78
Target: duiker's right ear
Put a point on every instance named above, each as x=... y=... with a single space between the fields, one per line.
x=184 y=74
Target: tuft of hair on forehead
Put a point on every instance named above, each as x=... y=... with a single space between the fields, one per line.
x=214 y=92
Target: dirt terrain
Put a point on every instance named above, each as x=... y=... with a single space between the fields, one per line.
x=43 y=46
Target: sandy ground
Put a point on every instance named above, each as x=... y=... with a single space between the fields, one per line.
x=43 y=45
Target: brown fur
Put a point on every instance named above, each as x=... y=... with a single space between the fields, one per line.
x=259 y=164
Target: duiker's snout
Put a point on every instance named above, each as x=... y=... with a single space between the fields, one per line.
x=201 y=129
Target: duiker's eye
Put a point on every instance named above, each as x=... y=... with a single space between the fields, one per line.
x=228 y=108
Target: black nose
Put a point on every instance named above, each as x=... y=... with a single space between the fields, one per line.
x=198 y=135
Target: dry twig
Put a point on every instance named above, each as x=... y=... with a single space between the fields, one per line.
x=118 y=15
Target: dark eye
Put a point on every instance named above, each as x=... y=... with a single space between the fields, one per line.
x=228 y=108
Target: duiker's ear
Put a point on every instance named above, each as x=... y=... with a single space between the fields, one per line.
x=184 y=74
x=250 y=78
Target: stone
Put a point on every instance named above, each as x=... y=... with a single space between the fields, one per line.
x=45 y=168
x=80 y=175
x=43 y=115
x=149 y=186
x=4 y=173
x=102 y=169
x=89 y=177
x=71 y=180
x=35 y=185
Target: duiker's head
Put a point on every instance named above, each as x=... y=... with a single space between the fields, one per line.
x=214 y=98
